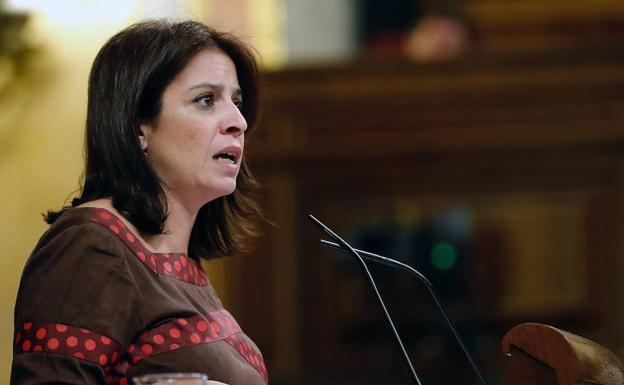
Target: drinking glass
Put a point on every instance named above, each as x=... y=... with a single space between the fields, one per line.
x=172 y=379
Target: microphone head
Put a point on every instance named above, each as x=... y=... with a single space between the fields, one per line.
x=323 y=228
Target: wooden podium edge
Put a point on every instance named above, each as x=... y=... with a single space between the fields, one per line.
x=574 y=359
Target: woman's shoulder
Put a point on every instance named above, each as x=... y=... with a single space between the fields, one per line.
x=76 y=238
x=83 y=224
x=89 y=222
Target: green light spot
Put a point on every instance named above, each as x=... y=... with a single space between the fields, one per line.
x=443 y=255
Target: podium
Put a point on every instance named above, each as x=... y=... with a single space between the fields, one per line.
x=543 y=355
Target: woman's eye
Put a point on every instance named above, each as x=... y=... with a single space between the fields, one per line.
x=204 y=100
x=238 y=104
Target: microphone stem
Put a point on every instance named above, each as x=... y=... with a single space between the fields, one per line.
x=348 y=249
x=392 y=262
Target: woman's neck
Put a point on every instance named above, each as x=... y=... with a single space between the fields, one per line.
x=177 y=230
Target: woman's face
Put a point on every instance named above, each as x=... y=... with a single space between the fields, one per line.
x=195 y=144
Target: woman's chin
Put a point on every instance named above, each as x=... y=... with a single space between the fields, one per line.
x=222 y=190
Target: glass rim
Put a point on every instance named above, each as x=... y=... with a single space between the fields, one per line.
x=173 y=376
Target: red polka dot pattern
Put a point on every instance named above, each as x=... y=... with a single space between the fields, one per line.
x=68 y=340
x=176 y=265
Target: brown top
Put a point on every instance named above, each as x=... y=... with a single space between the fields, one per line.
x=95 y=306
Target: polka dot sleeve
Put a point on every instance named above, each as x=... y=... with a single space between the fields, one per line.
x=76 y=310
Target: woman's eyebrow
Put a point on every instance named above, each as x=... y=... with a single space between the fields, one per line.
x=216 y=87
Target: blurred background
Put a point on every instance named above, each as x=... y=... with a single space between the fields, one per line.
x=480 y=141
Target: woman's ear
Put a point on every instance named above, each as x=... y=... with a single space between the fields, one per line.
x=142 y=133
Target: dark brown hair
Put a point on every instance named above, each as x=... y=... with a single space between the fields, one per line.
x=127 y=80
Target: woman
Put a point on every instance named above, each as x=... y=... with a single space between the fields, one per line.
x=114 y=288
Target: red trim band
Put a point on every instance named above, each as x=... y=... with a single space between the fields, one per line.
x=68 y=340
x=90 y=346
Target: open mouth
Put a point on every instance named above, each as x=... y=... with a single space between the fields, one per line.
x=226 y=157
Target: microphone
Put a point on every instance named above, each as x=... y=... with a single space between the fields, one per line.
x=394 y=263
x=344 y=246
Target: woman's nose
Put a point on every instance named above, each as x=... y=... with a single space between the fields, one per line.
x=234 y=123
